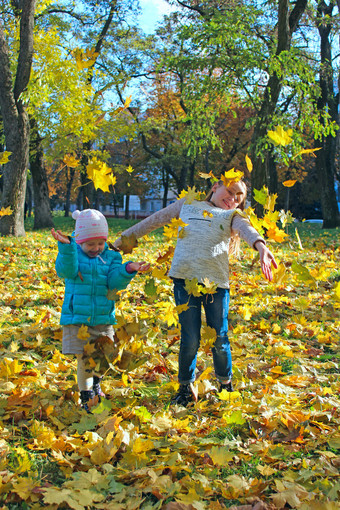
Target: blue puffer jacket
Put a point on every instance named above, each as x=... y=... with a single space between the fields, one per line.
x=87 y=282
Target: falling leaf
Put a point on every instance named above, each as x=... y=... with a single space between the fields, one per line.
x=289 y=184
x=306 y=151
x=4 y=157
x=280 y=136
x=249 y=163
x=128 y=243
x=100 y=174
x=231 y=176
x=83 y=333
x=6 y=212
x=129 y=169
x=71 y=161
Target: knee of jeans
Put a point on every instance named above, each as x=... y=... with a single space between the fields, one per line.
x=221 y=343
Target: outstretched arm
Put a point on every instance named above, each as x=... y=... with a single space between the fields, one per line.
x=156 y=220
x=267 y=259
x=58 y=236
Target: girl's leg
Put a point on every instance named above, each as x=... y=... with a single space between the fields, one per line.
x=216 y=310
x=190 y=321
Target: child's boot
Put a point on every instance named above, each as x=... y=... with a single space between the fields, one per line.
x=85 y=396
x=97 y=389
x=184 y=395
x=226 y=386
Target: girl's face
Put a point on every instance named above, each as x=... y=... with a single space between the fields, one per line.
x=93 y=247
x=228 y=198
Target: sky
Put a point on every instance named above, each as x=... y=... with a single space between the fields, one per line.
x=152 y=13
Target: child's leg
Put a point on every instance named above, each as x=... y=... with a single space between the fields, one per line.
x=84 y=378
x=216 y=310
x=190 y=321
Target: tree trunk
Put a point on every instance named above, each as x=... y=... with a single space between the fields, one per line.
x=42 y=209
x=325 y=158
x=287 y=24
x=68 y=191
x=16 y=122
x=165 y=179
x=127 y=206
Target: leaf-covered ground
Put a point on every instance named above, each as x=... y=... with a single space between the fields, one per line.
x=272 y=443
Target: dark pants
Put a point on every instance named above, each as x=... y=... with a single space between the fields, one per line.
x=216 y=308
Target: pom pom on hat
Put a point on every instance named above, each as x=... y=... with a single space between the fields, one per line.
x=90 y=224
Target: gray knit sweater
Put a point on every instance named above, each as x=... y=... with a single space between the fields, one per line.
x=202 y=247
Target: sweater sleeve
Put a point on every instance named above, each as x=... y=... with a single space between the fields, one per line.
x=156 y=220
x=67 y=260
x=246 y=231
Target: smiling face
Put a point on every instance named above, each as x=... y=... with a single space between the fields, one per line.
x=228 y=198
x=93 y=247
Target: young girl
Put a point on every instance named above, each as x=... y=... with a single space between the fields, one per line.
x=202 y=253
x=90 y=270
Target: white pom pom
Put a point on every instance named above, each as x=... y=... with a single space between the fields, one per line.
x=75 y=214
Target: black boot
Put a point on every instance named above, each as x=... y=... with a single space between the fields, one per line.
x=85 y=396
x=226 y=386
x=97 y=389
x=183 y=396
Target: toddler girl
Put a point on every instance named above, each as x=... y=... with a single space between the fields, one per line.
x=90 y=270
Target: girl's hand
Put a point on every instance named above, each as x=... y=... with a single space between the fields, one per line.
x=140 y=267
x=267 y=260
x=60 y=237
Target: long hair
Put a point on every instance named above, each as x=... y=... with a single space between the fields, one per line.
x=234 y=245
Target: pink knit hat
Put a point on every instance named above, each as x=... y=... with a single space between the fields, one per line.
x=90 y=224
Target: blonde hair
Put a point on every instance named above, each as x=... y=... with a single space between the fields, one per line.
x=234 y=245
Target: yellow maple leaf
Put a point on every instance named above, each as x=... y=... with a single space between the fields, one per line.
x=270 y=202
x=100 y=174
x=128 y=243
x=220 y=455
x=129 y=169
x=210 y=175
x=83 y=333
x=249 y=163
x=190 y=195
x=337 y=292
x=171 y=230
x=20 y=461
x=306 y=151
x=231 y=176
x=127 y=101
x=276 y=234
x=280 y=275
x=4 y=157
x=193 y=287
x=24 y=487
x=207 y=213
x=280 y=136
x=71 y=161
x=141 y=445
x=289 y=183
x=6 y=212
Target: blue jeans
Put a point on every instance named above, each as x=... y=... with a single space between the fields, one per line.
x=216 y=308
